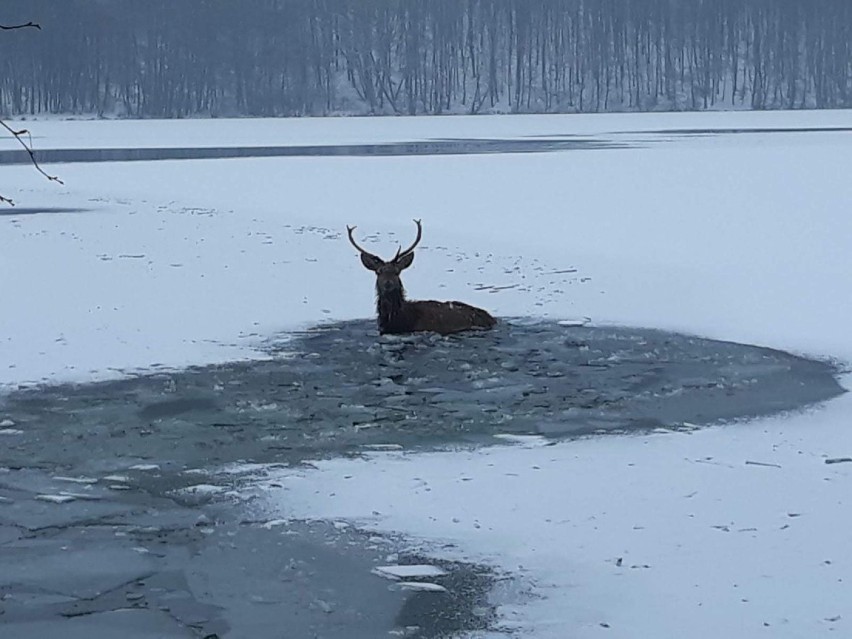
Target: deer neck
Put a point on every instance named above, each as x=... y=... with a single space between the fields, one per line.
x=391 y=308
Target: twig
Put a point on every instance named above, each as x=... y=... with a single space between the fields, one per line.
x=838 y=460
x=9 y=27
x=18 y=135
x=757 y=463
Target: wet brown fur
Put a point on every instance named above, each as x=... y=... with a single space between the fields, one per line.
x=398 y=315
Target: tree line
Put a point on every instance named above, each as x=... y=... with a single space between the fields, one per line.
x=185 y=58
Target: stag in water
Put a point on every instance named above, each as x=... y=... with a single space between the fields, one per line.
x=399 y=315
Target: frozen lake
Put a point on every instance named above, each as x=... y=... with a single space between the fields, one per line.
x=540 y=143
x=180 y=407
x=436 y=147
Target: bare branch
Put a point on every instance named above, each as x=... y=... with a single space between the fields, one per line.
x=9 y=27
x=28 y=147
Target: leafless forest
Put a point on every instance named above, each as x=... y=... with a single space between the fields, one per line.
x=185 y=58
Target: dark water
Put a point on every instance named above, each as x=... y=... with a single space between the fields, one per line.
x=445 y=146
x=430 y=147
x=340 y=388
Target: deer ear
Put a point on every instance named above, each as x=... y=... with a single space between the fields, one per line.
x=371 y=262
x=405 y=261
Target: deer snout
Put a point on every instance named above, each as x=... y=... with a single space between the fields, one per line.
x=388 y=282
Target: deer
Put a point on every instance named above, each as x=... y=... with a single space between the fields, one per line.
x=398 y=315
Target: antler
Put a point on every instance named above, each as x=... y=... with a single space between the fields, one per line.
x=400 y=253
x=349 y=230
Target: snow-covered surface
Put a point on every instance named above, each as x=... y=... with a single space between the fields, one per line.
x=52 y=133
x=737 y=531
x=188 y=262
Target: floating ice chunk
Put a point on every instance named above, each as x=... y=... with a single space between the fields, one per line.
x=6 y=423
x=117 y=478
x=237 y=468
x=575 y=322
x=383 y=446
x=11 y=431
x=421 y=586
x=56 y=499
x=77 y=480
x=145 y=467
x=200 y=489
x=269 y=525
x=366 y=425
x=406 y=572
x=83 y=496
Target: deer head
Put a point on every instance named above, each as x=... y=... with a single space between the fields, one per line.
x=398 y=315
x=387 y=273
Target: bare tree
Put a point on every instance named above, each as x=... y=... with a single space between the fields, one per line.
x=22 y=136
x=156 y=58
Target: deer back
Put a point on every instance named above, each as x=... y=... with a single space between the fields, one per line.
x=447 y=317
